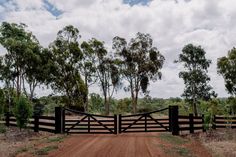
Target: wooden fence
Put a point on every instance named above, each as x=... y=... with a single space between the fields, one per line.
x=224 y=122
x=92 y=124
x=191 y=123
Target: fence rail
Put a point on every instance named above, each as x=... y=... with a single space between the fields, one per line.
x=37 y=123
x=224 y=122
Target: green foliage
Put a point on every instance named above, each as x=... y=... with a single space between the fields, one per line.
x=140 y=63
x=227 y=68
x=22 y=111
x=96 y=103
x=64 y=75
x=21 y=63
x=195 y=75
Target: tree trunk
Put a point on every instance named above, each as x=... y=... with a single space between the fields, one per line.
x=86 y=103
x=195 y=108
x=107 y=110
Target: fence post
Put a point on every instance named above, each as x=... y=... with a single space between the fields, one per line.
x=203 y=123
x=63 y=120
x=214 y=122
x=145 y=123
x=36 y=123
x=170 y=119
x=58 y=120
x=115 y=124
x=174 y=119
x=7 y=119
x=120 y=118
x=191 y=123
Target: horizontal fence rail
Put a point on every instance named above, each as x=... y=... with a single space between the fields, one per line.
x=224 y=122
x=37 y=123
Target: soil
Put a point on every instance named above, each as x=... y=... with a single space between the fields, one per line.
x=126 y=145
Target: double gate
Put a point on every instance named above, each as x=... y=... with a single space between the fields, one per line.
x=84 y=123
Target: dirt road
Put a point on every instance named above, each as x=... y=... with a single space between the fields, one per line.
x=128 y=145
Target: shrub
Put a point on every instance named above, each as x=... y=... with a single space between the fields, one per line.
x=22 y=111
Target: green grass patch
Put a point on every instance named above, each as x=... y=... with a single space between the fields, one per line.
x=55 y=139
x=46 y=150
x=173 y=139
x=2 y=128
x=21 y=150
x=182 y=151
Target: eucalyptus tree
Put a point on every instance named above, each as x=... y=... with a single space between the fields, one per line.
x=64 y=75
x=87 y=68
x=226 y=66
x=141 y=63
x=195 y=75
x=107 y=72
x=21 y=64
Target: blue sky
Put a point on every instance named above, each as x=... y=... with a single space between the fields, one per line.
x=209 y=23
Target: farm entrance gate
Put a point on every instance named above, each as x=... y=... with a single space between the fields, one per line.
x=76 y=122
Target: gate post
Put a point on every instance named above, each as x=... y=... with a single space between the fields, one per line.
x=174 y=119
x=115 y=124
x=7 y=119
x=191 y=126
x=119 y=123
x=59 y=120
x=36 y=123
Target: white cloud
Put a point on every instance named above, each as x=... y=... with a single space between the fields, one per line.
x=172 y=25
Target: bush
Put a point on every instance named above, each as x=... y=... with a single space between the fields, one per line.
x=22 y=111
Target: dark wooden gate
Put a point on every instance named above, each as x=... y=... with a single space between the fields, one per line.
x=84 y=123
x=146 y=122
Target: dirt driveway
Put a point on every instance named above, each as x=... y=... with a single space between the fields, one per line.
x=128 y=145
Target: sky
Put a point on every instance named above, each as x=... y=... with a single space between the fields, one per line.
x=171 y=23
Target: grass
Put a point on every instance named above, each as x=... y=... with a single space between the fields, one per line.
x=46 y=150
x=182 y=151
x=176 y=140
x=55 y=139
x=21 y=150
x=2 y=128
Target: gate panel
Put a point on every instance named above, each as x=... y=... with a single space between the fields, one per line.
x=84 y=123
x=146 y=122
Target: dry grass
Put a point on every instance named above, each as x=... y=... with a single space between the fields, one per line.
x=221 y=142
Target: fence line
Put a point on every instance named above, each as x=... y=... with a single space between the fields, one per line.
x=90 y=123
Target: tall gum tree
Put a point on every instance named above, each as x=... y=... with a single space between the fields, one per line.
x=107 y=72
x=226 y=66
x=195 y=75
x=140 y=63
x=64 y=75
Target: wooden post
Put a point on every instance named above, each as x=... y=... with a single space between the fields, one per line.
x=174 y=120
x=58 y=120
x=120 y=118
x=63 y=120
x=214 y=122
x=36 y=123
x=7 y=119
x=191 y=123
x=89 y=124
x=203 y=123
x=170 y=118
x=115 y=124
x=145 y=123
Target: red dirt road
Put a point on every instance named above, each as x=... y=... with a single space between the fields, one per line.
x=127 y=145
